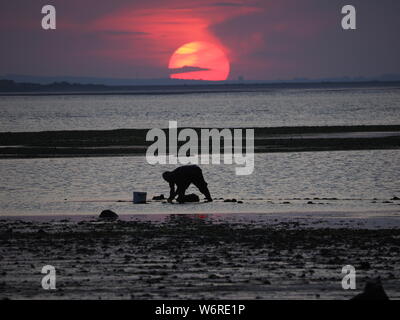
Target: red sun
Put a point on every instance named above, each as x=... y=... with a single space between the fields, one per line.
x=199 y=61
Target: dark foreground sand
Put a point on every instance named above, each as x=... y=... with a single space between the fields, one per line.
x=187 y=257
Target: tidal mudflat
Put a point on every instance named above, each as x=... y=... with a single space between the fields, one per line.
x=192 y=257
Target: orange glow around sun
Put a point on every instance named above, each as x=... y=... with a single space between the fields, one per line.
x=199 y=61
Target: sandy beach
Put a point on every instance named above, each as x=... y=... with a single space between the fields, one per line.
x=194 y=257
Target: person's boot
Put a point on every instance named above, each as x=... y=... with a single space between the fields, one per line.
x=208 y=196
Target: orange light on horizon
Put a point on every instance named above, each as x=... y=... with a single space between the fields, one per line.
x=209 y=58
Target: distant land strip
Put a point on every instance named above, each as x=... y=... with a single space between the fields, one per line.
x=127 y=142
x=11 y=88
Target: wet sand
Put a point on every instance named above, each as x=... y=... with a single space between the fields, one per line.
x=192 y=257
x=125 y=142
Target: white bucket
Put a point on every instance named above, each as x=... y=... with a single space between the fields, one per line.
x=139 y=197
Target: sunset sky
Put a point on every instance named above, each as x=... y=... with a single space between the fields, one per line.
x=262 y=40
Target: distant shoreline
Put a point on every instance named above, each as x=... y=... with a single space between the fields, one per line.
x=130 y=142
x=11 y=88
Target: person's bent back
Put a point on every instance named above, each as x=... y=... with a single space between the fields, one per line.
x=182 y=177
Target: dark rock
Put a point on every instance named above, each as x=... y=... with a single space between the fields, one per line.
x=240 y=201
x=230 y=200
x=108 y=215
x=395 y=198
x=325 y=252
x=373 y=290
x=364 y=265
x=191 y=198
x=160 y=197
x=310 y=202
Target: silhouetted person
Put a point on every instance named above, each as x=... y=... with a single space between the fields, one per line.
x=182 y=177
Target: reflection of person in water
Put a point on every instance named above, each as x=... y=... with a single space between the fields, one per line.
x=182 y=177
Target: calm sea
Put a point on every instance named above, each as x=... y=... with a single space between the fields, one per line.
x=281 y=182
x=270 y=108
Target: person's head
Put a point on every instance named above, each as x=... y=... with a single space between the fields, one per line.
x=167 y=176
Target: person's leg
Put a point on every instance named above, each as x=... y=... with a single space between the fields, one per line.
x=201 y=184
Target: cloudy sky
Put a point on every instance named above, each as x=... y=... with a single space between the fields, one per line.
x=266 y=39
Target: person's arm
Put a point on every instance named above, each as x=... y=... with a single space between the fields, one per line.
x=172 y=193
